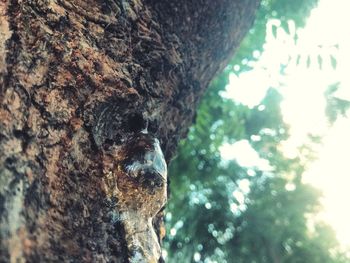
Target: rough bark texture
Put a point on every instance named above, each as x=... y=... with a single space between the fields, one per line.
x=92 y=93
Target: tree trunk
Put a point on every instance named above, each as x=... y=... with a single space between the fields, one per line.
x=94 y=97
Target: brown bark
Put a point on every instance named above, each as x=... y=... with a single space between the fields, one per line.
x=91 y=94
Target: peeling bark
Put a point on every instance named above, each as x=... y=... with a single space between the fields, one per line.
x=94 y=97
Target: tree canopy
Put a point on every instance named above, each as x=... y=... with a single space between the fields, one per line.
x=224 y=210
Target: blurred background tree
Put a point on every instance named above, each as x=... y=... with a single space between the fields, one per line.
x=224 y=210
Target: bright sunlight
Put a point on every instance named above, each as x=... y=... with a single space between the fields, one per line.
x=308 y=58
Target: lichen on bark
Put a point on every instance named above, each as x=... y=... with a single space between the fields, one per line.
x=79 y=81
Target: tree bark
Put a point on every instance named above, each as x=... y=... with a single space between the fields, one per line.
x=94 y=97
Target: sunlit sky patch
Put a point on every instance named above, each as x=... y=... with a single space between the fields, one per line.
x=326 y=35
x=244 y=154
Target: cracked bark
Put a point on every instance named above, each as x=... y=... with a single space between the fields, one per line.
x=86 y=89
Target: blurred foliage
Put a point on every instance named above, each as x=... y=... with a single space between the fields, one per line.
x=220 y=211
x=335 y=106
x=283 y=10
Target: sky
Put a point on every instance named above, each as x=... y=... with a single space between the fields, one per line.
x=326 y=35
